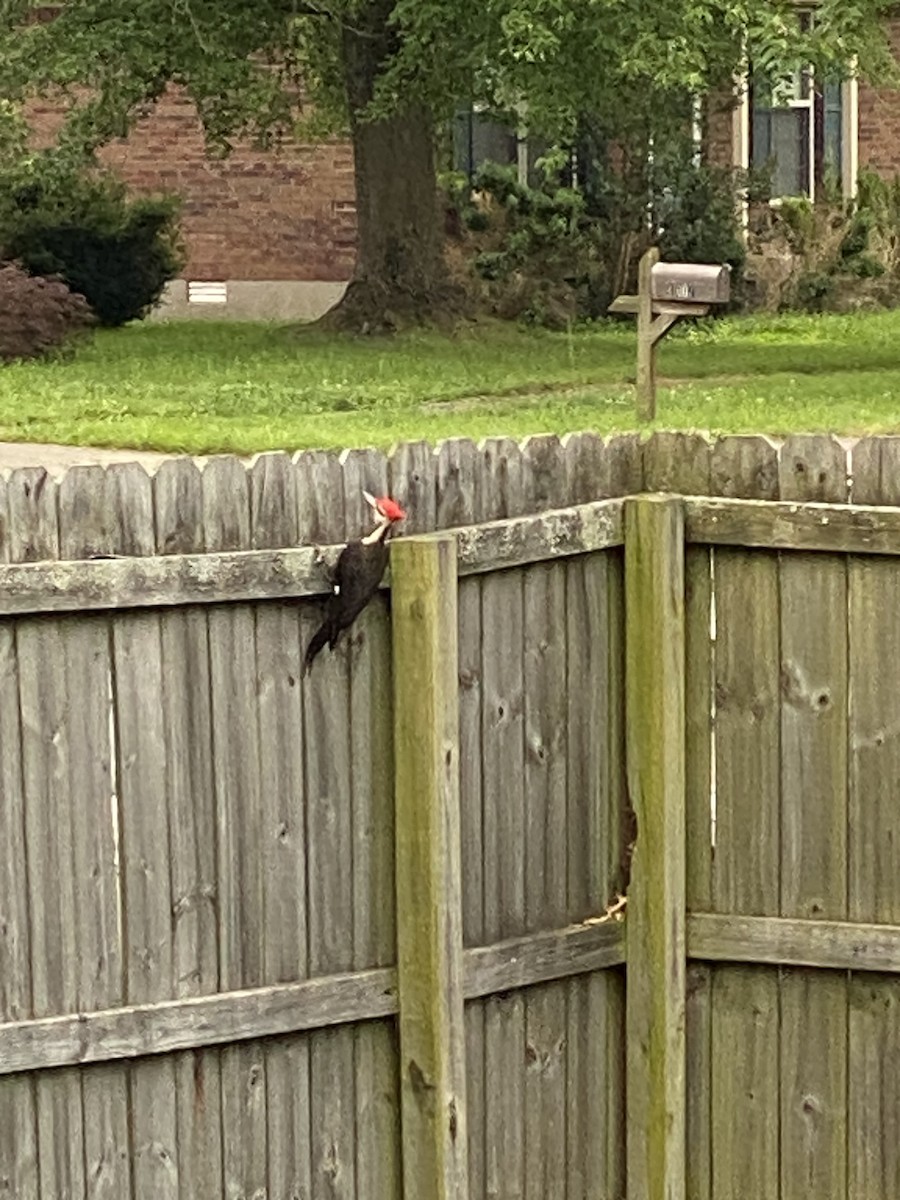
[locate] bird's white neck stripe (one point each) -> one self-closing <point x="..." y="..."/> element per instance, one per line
<point x="376" y="535"/>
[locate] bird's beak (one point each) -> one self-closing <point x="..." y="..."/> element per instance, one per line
<point x="370" y="499"/>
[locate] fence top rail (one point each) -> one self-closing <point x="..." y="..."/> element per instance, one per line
<point x="790" y="525"/>
<point x="152" y="581"/>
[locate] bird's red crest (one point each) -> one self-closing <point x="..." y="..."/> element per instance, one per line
<point x="387" y="509"/>
<point x="390" y="509"/>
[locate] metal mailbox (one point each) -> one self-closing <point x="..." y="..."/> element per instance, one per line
<point x="694" y="283"/>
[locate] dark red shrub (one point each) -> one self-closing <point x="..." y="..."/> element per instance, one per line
<point x="37" y="315"/>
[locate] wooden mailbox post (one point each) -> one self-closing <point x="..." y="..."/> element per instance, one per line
<point x="667" y="291"/>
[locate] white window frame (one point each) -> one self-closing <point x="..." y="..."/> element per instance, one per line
<point x="849" y="132"/>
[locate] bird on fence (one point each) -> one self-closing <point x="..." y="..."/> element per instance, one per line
<point x="356" y="577"/>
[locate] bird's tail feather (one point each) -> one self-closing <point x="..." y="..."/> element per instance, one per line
<point x="316" y="643"/>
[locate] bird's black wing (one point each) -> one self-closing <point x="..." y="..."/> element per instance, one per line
<point x="356" y="577"/>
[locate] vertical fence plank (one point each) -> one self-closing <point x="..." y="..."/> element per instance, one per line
<point x="596" y="830"/>
<point x="429" y="909"/>
<point x="372" y="810"/>
<point x="677" y="462"/>
<point x="326" y="723"/>
<point x="654" y="580"/>
<point x="18" y="1134"/>
<point x="502" y="741"/>
<point x="273" y="523"/>
<point x="545" y="803"/>
<point x="585" y="456"/>
<point x="813" y="832"/>
<point x="411" y="471"/>
<point x="139" y="714"/>
<point x="503" y="494"/>
<point x="873" y="1135"/>
<point x="232" y="653"/>
<point x="743" y="1095"/>
<point x="875" y="471"/>
<point x="694" y="478"/>
<point x="744" y="466"/>
<point x="33" y="534"/>
<point x="190" y="791"/>
<point x="88" y="524"/>
<point x="593" y="820"/>
<point x="623" y="465"/>
<point x="606" y="989"/>
<point x="545" y="873"/>
<point x="459" y="502"/>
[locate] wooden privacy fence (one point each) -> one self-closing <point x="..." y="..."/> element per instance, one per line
<point x="266" y="936"/>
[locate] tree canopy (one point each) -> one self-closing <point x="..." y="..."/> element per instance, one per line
<point x="384" y="68"/>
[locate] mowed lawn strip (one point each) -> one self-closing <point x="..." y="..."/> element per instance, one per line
<point x="208" y="387"/>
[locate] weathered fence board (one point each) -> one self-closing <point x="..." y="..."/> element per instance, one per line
<point x="744" y="1087"/>
<point x="189" y="781"/>
<point x="372" y="790"/>
<point x="144" y="845"/>
<point x="778" y="525"/>
<point x="795" y="942"/>
<point x="545" y="827"/>
<point x="459" y="501"/>
<point x="136" y="1031"/>
<point x="502" y="749"/>
<point x="695" y="478"/>
<point x="874" y="846"/>
<point x="813" y="832"/>
<point x="596" y="833"/>
<point x="18" y="1131"/>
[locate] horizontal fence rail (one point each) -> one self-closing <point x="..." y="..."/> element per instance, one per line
<point x="783" y="941"/>
<point x="149" y="581"/>
<point x="780" y="525"/>
<point x="222" y="1017"/>
<point x="488" y="970"/>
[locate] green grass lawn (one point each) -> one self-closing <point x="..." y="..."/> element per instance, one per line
<point x="207" y="387"/>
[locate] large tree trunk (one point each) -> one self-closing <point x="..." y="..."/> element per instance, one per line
<point x="400" y="277"/>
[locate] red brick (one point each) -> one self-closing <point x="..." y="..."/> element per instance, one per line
<point x="879" y="119"/>
<point x="268" y="216"/>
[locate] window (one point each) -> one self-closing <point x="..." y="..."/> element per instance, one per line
<point x="805" y="131"/>
<point x="479" y="137"/>
<point x="798" y="131"/>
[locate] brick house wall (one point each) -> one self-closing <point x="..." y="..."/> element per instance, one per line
<point x="879" y="119"/>
<point x="257" y="216"/>
<point x="718" y="130"/>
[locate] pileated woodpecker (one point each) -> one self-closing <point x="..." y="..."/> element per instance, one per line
<point x="356" y="577"/>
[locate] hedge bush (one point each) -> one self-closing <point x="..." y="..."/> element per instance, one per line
<point x="60" y="219"/>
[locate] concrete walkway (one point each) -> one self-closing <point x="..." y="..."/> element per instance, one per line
<point x="58" y="459"/>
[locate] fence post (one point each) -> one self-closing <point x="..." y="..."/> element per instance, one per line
<point x="655" y="710"/>
<point x="429" y="906"/>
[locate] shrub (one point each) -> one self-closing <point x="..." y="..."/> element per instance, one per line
<point x="37" y="316"/>
<point x="64" y="220"/>
<point x="836" y="254"/>
<point x="532" y="253"/>
<point x="553" y="253"/>
<point x="698" y="219"/>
